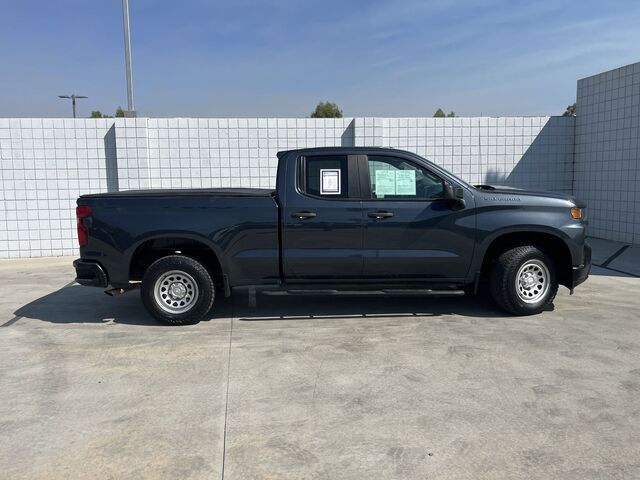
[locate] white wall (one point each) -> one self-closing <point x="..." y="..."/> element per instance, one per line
<point x="44" y="165"/>
<point x="47" y="163"/>
<point x="607" y="171"/>
<point x="527" y="152"/>
<point x="188" y="152"/>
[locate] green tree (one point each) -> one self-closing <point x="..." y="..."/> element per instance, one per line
<point x="570" y="111"/>
<point x="327" y="110"/>
<point x="99" y="114"/>
<point x="119" y="112"/>
<point x="440" y="114"/>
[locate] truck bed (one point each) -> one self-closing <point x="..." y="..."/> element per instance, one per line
<point x="239" y="226"/>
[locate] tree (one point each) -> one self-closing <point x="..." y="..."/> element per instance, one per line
<point x="119" y="112"/>
<point x="327" y="110"/>
<point x="570" y="111"/>
<point x="440" y="114"/>
<point x="99" y="114"/>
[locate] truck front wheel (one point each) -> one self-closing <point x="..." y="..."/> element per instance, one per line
<point x="177" y="290"/>
<point x="523" y="281"/>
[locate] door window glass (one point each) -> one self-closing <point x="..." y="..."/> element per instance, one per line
<point x="326" y="176"/>
<point x="397" y="178"/>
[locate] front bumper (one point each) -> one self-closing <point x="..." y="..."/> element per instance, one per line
<point x="90" y="274"/>
<point x="581" y="272"/>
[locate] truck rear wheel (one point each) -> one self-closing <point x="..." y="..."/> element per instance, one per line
<point x="523" y="281"/>
<point x="177" y="290"/>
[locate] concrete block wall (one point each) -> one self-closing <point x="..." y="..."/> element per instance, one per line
<point x="607" y="159"/>
<point x="525" y="152"/>
<point x="231" y="152"/>
<point x="44" y="165"/>
<point x="47" y="163"/>
<point x="528" y="152"/>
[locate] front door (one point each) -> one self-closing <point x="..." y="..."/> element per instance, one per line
<point x="411" y="231"/>
<point x="322" y="220"/>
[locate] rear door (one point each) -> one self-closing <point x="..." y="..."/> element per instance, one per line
<point x="411" y="231"/>
<point x="322" y="219"/>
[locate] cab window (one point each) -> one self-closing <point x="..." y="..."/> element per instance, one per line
<point x="325" y="176"/>
<point x="395" y="178"/>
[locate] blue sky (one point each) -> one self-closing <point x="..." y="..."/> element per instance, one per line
<point x="280" y="57"/>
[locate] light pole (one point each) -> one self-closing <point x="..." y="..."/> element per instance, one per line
<point x="131" y="109"/>
<point x="73" y="98"/>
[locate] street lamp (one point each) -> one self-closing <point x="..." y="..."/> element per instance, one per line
<point x="131" y="109"/>
<point x="73" y="98"/>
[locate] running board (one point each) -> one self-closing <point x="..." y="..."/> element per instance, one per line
<point x="390" y="292"/>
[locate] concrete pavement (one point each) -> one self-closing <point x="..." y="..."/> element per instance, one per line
<point x="408" y="388"/>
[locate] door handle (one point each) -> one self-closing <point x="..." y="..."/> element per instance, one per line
<point x="303" y="215"/>
<point x="380" y="214"/>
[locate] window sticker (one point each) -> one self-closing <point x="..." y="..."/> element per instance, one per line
<point x="330" y="181"/>
<point x="385" y="183"/>
<point x="406" y="182"/>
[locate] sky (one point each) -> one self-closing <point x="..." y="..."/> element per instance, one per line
<point x="279" y="58"/>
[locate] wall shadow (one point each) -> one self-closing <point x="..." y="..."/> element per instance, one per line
<point x="111" y="159"/>
<point x="348" y="137"/>
<point x="547" y="164"/>
<point x="600" y="271"/>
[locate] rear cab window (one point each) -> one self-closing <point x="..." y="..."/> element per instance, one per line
<point x="325" y="176"/>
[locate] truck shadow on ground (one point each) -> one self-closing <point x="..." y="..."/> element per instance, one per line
<point x="76" y="304"/>
<point x="271" y="308"/>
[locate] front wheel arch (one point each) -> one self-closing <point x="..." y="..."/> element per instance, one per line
<point x="551" y="245"/>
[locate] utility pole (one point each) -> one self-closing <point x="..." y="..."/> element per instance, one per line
<point x="73" y="98"/>
<point x="131" y="109"/>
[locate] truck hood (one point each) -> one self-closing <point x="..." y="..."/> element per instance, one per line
<point x="530" y="193"/>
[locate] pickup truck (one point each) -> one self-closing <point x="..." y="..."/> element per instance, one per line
<point x="341" y="221"/>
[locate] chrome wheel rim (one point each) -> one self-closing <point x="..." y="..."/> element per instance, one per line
<point x="532" y="281"/>
<point x="176" y="292"/>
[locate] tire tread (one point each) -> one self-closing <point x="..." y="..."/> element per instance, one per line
<point x="502" y="276"/>
<point x="205" y="285"/>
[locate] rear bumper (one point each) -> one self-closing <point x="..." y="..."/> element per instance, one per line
<point x="581" y="272"/>
<point x="90" y="274"/>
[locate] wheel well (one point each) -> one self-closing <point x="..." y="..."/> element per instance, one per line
<point x="549" y="244"/>
<point x="151" y="250"/>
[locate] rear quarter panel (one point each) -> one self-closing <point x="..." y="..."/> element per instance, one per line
<point x="242" y="231"/>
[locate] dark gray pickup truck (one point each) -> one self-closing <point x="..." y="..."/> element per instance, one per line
<point x="341" y="221"/>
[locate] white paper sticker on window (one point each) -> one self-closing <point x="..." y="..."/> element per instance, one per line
<point x="385" y="183"/>
<point x="330" y="181"/>
<point x="406" y="182"/>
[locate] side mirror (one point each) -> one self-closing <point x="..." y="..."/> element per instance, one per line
<point x="455" y="195"/>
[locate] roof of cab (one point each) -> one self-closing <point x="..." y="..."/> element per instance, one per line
<point x="343" y="150"/>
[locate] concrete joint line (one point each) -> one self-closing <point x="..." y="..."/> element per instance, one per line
<point x="226" y="403"/>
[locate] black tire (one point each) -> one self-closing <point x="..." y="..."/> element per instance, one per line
<point x="504" y="274"/>
<point x="193" y="280"/>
